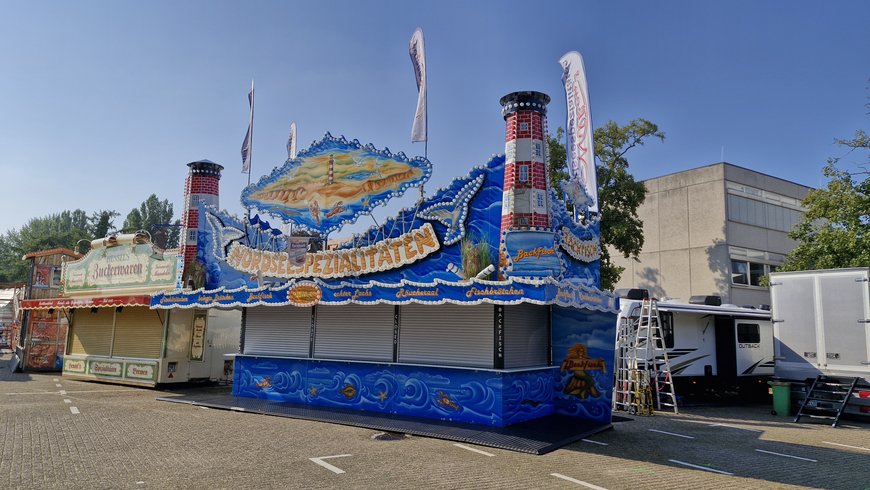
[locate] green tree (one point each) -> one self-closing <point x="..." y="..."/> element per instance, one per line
<point x="60" y="230"/>
<point x="619" y="195"/>
<point x="102" y="223"/>
<point x="835" y="230"/>
<point x="155" y="217"/>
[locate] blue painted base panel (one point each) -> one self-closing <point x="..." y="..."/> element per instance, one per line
<point x="493" y="398"/>
<point x="537" y="436"/>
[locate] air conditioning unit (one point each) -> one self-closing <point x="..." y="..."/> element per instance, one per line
<point x="709" y="300"/>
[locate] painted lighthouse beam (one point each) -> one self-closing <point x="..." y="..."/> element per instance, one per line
<point x="334" y="182"/>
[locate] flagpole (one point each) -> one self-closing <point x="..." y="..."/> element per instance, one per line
<point x="251" y="125"/>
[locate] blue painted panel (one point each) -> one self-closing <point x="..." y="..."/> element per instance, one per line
<point x="460" y="395"/>
<point x="583" y="346"/>
<point x="532" y="253"/>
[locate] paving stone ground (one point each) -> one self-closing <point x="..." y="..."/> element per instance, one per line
<point x="122" y="437"/>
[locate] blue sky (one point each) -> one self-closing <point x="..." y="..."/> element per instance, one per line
<point x="103" y="103"/>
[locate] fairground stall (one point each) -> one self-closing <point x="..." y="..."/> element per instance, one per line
<point x="113" y="334"/>
<point x="9" y="321"/>
<point x="42" y="333"/>
<point x="477" y="304"/>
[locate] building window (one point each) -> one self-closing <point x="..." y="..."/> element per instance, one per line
<point x="538" y="150"/>
<point x="739" y="272"/>
<point x="766" y="215"/>
<point x="524" y="126"/>
<point x="540" y="197"/>
<point x="748" y="333"/>
<point x="748" y="273"/>
<point x="524" y="173"/>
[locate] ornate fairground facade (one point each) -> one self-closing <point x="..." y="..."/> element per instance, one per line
<point x="479" y="303"/>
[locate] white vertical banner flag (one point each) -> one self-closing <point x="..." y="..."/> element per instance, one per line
<point x="291" y="141"/>
<point x="249" y="136"/>
<point x="418" y="59"/>
<point x="581" y="156"/>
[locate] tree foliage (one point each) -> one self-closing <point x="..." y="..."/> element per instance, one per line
<point x="619" y="195"/>
<point x="835" y="230"/>
<point x="60" y="230"/>
<point x="155" y="217"/>
<point x="67" y="228"/>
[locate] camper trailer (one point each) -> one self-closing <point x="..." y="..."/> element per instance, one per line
<point x="712" y="348"/>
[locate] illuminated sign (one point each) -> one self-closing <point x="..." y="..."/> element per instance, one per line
<point x="384" y="255"/>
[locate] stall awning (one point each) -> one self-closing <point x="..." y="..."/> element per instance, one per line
<point x="101" y="302"/>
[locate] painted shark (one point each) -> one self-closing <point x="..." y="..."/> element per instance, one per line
<point x="223" y="235"/>
<point x="452" y="213"/>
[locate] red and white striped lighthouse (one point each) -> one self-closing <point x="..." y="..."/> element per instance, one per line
<point x="202" y="184"/>
<point x="525" y="198"/>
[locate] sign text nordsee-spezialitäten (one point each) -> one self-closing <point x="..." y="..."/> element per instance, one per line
<point x="383" y="255"/>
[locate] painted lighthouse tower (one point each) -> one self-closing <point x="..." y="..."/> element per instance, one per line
<point x="202" y="184"/>
<point x="528" y="242"/>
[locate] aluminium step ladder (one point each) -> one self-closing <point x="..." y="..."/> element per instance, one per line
<point x="827" y="398"/>
<point x="643" y="371"/>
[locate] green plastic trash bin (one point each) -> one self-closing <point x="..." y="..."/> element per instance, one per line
<point x="781" y="397"/>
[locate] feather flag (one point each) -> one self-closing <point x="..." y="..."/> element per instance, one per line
<point x="249" y="136"/>
<point x="418" y="59"/>
<point x="581" y="156"/>
<point x="291" y="142"/>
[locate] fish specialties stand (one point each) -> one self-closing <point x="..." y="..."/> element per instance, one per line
<point x="478" y="304"/>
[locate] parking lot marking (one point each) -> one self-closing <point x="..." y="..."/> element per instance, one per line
<point x="579" y="482"/>
<point x="786" y="455"/>
<point x="595" y="442"/>
<point x="463" y="446"/>
<point x="74" y="410"/>
<point x="67" y="400"/>
<point x="58" y="385"/>
<point x="72" y="391"/>
<point x="690" y="465"/>
<point x="670" y="433"/>
<point x="62" y="392"/>
<point x="328" y="466"/>
<point x="735" y="427"/>
<point x="844" y="445"/>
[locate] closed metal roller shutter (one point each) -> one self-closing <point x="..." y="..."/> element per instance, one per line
<point x="525" y="336"/>
<point x="447" y="335"/>
<point x="360" y="332"/>
<point x="92" y="332"/>
<point x="277" y="331"/>
<point x="138" y="333"/>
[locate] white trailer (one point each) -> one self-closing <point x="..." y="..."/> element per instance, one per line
<point x="821" y="323"/>
<point x="719" y="348"/>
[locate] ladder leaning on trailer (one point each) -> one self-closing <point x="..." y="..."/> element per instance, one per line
<point x="643" y="371"/>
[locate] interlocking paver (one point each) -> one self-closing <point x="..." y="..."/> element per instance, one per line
<point x="125" y="438"/>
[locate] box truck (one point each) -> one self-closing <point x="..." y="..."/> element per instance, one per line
<point x="821" y="326"/>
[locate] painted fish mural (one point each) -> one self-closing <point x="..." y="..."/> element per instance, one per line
<point x="334" y="182"/>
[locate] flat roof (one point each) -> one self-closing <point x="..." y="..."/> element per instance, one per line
<point x="730" y="165"/>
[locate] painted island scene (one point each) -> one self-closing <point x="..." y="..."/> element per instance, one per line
<point x="334" y="182"/>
